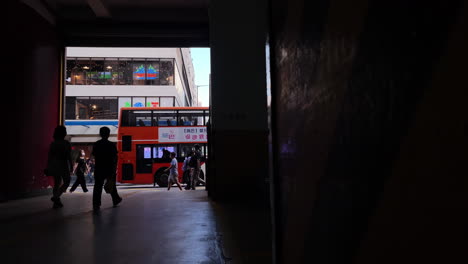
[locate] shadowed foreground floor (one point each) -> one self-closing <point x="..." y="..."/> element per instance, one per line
<point x="149" y="226"/>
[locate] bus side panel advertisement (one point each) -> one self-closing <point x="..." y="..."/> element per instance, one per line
<point x="182" y="134"/>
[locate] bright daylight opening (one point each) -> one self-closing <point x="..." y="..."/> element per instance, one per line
<point x="155" y="101"/>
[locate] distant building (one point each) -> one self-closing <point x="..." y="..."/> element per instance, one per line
<point x="99" y="81"/>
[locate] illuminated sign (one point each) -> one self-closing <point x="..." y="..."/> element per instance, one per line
<point x="139" y="74"/>
<point x="152" y="104"/>
<point x="141" y="104"/>
<point x="152" y="73"/>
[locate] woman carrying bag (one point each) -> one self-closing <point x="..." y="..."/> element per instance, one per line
<point x="59" y="164"/>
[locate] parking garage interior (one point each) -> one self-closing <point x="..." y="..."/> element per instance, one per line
<point x="361" y="157"/>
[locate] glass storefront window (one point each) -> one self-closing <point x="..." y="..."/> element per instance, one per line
<point x="152" y="72"/>
<point x="96" y="74"/>
<point x="96" y="108"/>
<point x="139" y="72"/>
<point x="111" y="71"/>
<point x="71" y="64"/>
<point x="125" y="72"/>
<point x="167" y="72"/>
<point x="167" y="102"/>
<point x="79" y="71"/>
<point x="107" y="107"/>
<point x="70" y="106"/>
<point x="125" y="102"/>
<point x="119" y="71"/>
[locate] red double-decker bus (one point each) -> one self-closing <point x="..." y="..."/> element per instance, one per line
<point x="146" y="136"/>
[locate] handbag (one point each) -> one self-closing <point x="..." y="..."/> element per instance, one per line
<point x="109" y="186"/>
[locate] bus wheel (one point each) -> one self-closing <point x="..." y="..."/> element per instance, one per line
<point x="161" y="177"/>
<point x="201" y="176"/>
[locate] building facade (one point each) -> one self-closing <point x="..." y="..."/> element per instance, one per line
<point x="99" y="81"/>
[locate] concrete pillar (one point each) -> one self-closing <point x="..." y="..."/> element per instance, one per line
<point x="370" y="131"/>
<point x="238" y="100"/>
<point x="33" y="101"/>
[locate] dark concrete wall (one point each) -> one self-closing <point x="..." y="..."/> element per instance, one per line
<point x="33" y="65"/>
<point x="370" y="131"/>
<point x="238" y="157"/>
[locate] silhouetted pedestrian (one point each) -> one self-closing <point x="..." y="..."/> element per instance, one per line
<point x="173" y="174"/>
<point x="166" y="154"/>
<point x="195" y="167"/>
<point x="80" y="169"/>
<point x="90" y="163"/>
<point x="186" y="170"/>
<point x="105" y="158"/>
<point x="59" y="164"/>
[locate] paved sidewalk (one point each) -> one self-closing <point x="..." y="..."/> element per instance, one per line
<point x="151" y="225"/>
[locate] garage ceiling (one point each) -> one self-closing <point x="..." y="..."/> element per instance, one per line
<point x="134" y="23"/>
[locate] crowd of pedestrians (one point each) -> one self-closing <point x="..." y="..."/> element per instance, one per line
<point x="61" y="165"/>
<point x="191" y="168"/>
<point x="101" y="168"/>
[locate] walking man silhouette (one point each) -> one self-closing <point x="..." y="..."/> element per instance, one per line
<point x="105" y="158"/>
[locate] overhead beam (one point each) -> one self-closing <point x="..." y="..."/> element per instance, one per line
<point x="135" y="34"/>
<point x="42" y="9"/>
<point x="99" y="9"/>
